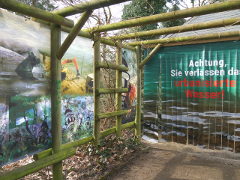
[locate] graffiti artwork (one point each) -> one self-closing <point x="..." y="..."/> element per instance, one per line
<point x="25" y="108"/>
<point x="77" y="113"/>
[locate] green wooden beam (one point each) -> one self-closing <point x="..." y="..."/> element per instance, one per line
<point x="75" y="144"/>
<point x="111" y="90"/>
<point x="112" y="114"/>
<point x="138" y="106"/>
<point x="149" y="56"/>
<point x="37" y="165"/>
<point x="97" y="59"/>
<point x="212" y="8"/>
<point x="210" y="36"/>
<point x="87" y="35"/>
<point x="64" y="147"/>
<point x="179" y="29"/>
<point x="56" y="115"/>
<point x="107" y="132"/>
<point x="31" y="11"/>
<point x="128" y="125"/>
<point x="118" y="84"/>
<point x="112" y="66"/>
<point x="72" y="35"/>
<point x="84" y="6"/>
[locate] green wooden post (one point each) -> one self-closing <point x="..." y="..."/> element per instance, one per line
<point x="56" y="98"/>
<point x="97" y="59"/>
<point x="118" y="96"/>
<point x="138" y="107"/>
<point x="142" y="91"/>
<point x="197" y="11"/>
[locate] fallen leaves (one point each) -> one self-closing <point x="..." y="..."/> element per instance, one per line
<point x="90" y="162"/>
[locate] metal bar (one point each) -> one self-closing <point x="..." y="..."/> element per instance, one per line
<point x="112" y="114"/>
<point x="164" y="41"/>
<point x="212" y="8"/>
<point x="97" y="59"/>
<point x="138" y="106"/>
<point x="179" y="29"/>
<point x="56" y="98"/>
<point x="149" y="56"/>
<point x="111" y="90"/>
<point x="72" y="35"/>
<point x="89" y="5"/>
<point x="118" y="96"/>
<point x="112" y="66"/>
<point x="22" y="8"/>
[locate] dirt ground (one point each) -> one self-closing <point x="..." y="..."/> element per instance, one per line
<point x="172" y="161"/>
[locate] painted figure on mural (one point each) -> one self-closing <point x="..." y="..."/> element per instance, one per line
<point x="129" y="82"/>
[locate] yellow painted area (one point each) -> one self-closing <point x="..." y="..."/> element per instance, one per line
<point x="72" y="84"/>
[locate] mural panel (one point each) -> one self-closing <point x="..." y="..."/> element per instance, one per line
<point x="193" y="95"/>
<point x="25" y="108"/>
<point x="129" y="81"/>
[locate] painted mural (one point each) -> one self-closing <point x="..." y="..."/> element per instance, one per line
<point x="25" y="107"/>
<point x="77" y="114"/>
<point x="129" y="81"/>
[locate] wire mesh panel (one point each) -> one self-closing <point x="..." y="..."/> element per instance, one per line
<point x="199" y="94"/>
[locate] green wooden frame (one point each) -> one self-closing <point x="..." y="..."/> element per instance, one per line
<point x="59" y="151"/>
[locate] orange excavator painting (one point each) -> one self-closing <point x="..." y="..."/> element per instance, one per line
<point x="72" y="81"/>
<point x="67" y="61"/>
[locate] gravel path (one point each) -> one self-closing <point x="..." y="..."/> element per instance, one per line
<point x="172" y="161"/>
